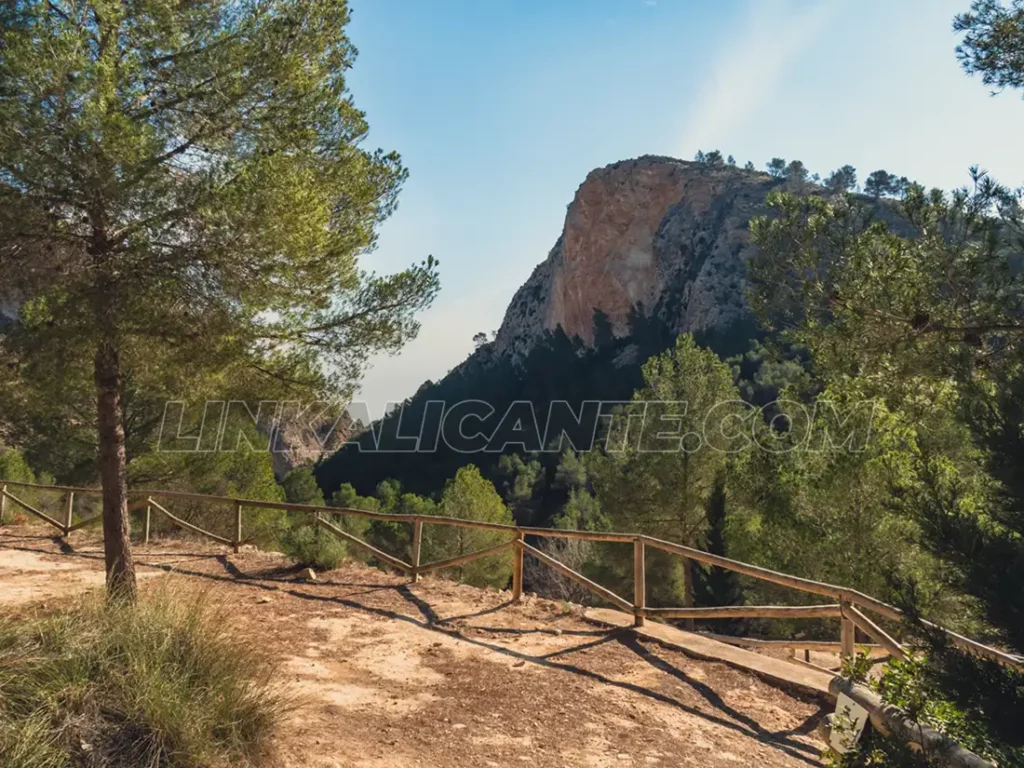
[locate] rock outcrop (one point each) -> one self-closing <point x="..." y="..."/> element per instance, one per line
<point x="655" y="236"/>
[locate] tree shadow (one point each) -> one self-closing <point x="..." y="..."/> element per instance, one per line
<point x="428" y="620"/>
<point x="632" y="642"/>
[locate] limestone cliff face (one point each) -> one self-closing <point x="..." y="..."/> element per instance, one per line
<point x="660" y="236"/>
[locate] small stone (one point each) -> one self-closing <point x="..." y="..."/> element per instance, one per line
<point x="309" y="574"/>
<point x="458" y="726"/>
<point x="265" y="599"/>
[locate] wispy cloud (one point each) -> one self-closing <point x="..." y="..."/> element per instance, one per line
<point x="750" y="68"/>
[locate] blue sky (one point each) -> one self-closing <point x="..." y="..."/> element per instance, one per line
<point x="500" y="108"/>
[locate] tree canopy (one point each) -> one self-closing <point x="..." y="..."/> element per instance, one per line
<point x="183" y="189"/>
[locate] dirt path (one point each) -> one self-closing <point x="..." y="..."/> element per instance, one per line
<point x="440" y="674"/>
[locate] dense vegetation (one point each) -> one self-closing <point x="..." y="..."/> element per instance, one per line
<point x="162" y="686"/>
<point x="868" y="430"/>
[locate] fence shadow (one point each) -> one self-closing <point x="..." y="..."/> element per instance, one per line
<point x="425" y="617"/>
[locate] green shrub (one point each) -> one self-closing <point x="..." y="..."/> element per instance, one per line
<point x="906" y="685"/>
<point x="313" y="548"/>
<point x="163" y="685"/>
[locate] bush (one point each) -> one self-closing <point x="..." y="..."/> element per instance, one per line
<point x="313" y="548"/>
<point x="906" y="684"/>
<point x="161" y="685"/>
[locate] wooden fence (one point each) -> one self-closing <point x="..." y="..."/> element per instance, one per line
<point x="850" y="606"/>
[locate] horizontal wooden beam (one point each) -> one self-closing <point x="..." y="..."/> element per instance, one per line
<point x="194" y="528"/>
<point x="747" y="612"/>
<point x="32" y="510"/>
<point x="440" y="565"/>
<point x="60" y="488"/>
<point x="755" y="571"/>
<point x="579" y="578"/>
<point x="821" y="646"/>
<point x="394" y="562"/>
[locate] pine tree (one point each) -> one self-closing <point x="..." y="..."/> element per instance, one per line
<point x="182" y="185"/>
<point x="777" y="167"/>
<point x="717" y="586"/>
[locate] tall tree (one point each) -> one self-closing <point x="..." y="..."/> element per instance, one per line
<point x="936" y="312"/>
<point x="796" y="171"/>
<point x="714" y="158"/>
<point x="842" y="179"/>
<point x="470" y="496"/>
<point x="716" y="586"/>
<point x="665" y="452"/>
<point x="189" y="177"/>
<point x="776" y="167"/>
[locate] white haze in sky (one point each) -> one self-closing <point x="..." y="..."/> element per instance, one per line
<point x="748" y="72"/>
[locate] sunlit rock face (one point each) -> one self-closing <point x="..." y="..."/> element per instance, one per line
<point x="655" y="236"/>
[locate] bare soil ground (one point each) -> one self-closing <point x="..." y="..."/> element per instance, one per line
<point x="440" y="674"/>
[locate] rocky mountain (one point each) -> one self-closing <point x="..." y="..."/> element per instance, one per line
<point x="655" y="235"/>
<point x="651" y="248"/>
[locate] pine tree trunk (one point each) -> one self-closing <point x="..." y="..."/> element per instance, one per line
<point x="113" y="476"/>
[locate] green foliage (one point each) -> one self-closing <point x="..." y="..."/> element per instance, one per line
<point x="300" y="487"/>
<point x="165" y="685"/>
<point x="993" y="44"/>
<point x="796" y="172"/>
<point x="240" y="474"/>
<point x="13" y="467"/>
<point x="184" y="194"/>
<point x="714" y="159"/>
<point x="660" y="486"/>
<point x="815" y="499"/>
<point x="716" y="586"/>
<point x="842" y="180"/>
<point x="857" y="667"/>
<point x="928" y="321"/>
<point x="883" y="183"/>
<point x="519" y="485"/>
<point x="271" y="153"/>
<point x="312" y="547"/>
<point x="776" y="167"/>
<point x="909" y="685"/>
<point x="469" y="496"/>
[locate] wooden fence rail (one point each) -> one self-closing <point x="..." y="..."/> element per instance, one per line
<point x="849" y="606"/>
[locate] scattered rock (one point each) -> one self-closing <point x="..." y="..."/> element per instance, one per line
<point x="309" y="574"/>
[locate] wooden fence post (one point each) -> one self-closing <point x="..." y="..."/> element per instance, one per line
<point x="68" y="512"/>
<point x="639" y="583"/>
<point x="417" y="545"/>
<point x="3" y="503"/>
<point x="238" y="526"/>
<point x="846" y="633"/>
<point x="149" y="515"/>
<point x="517" y="568"/>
